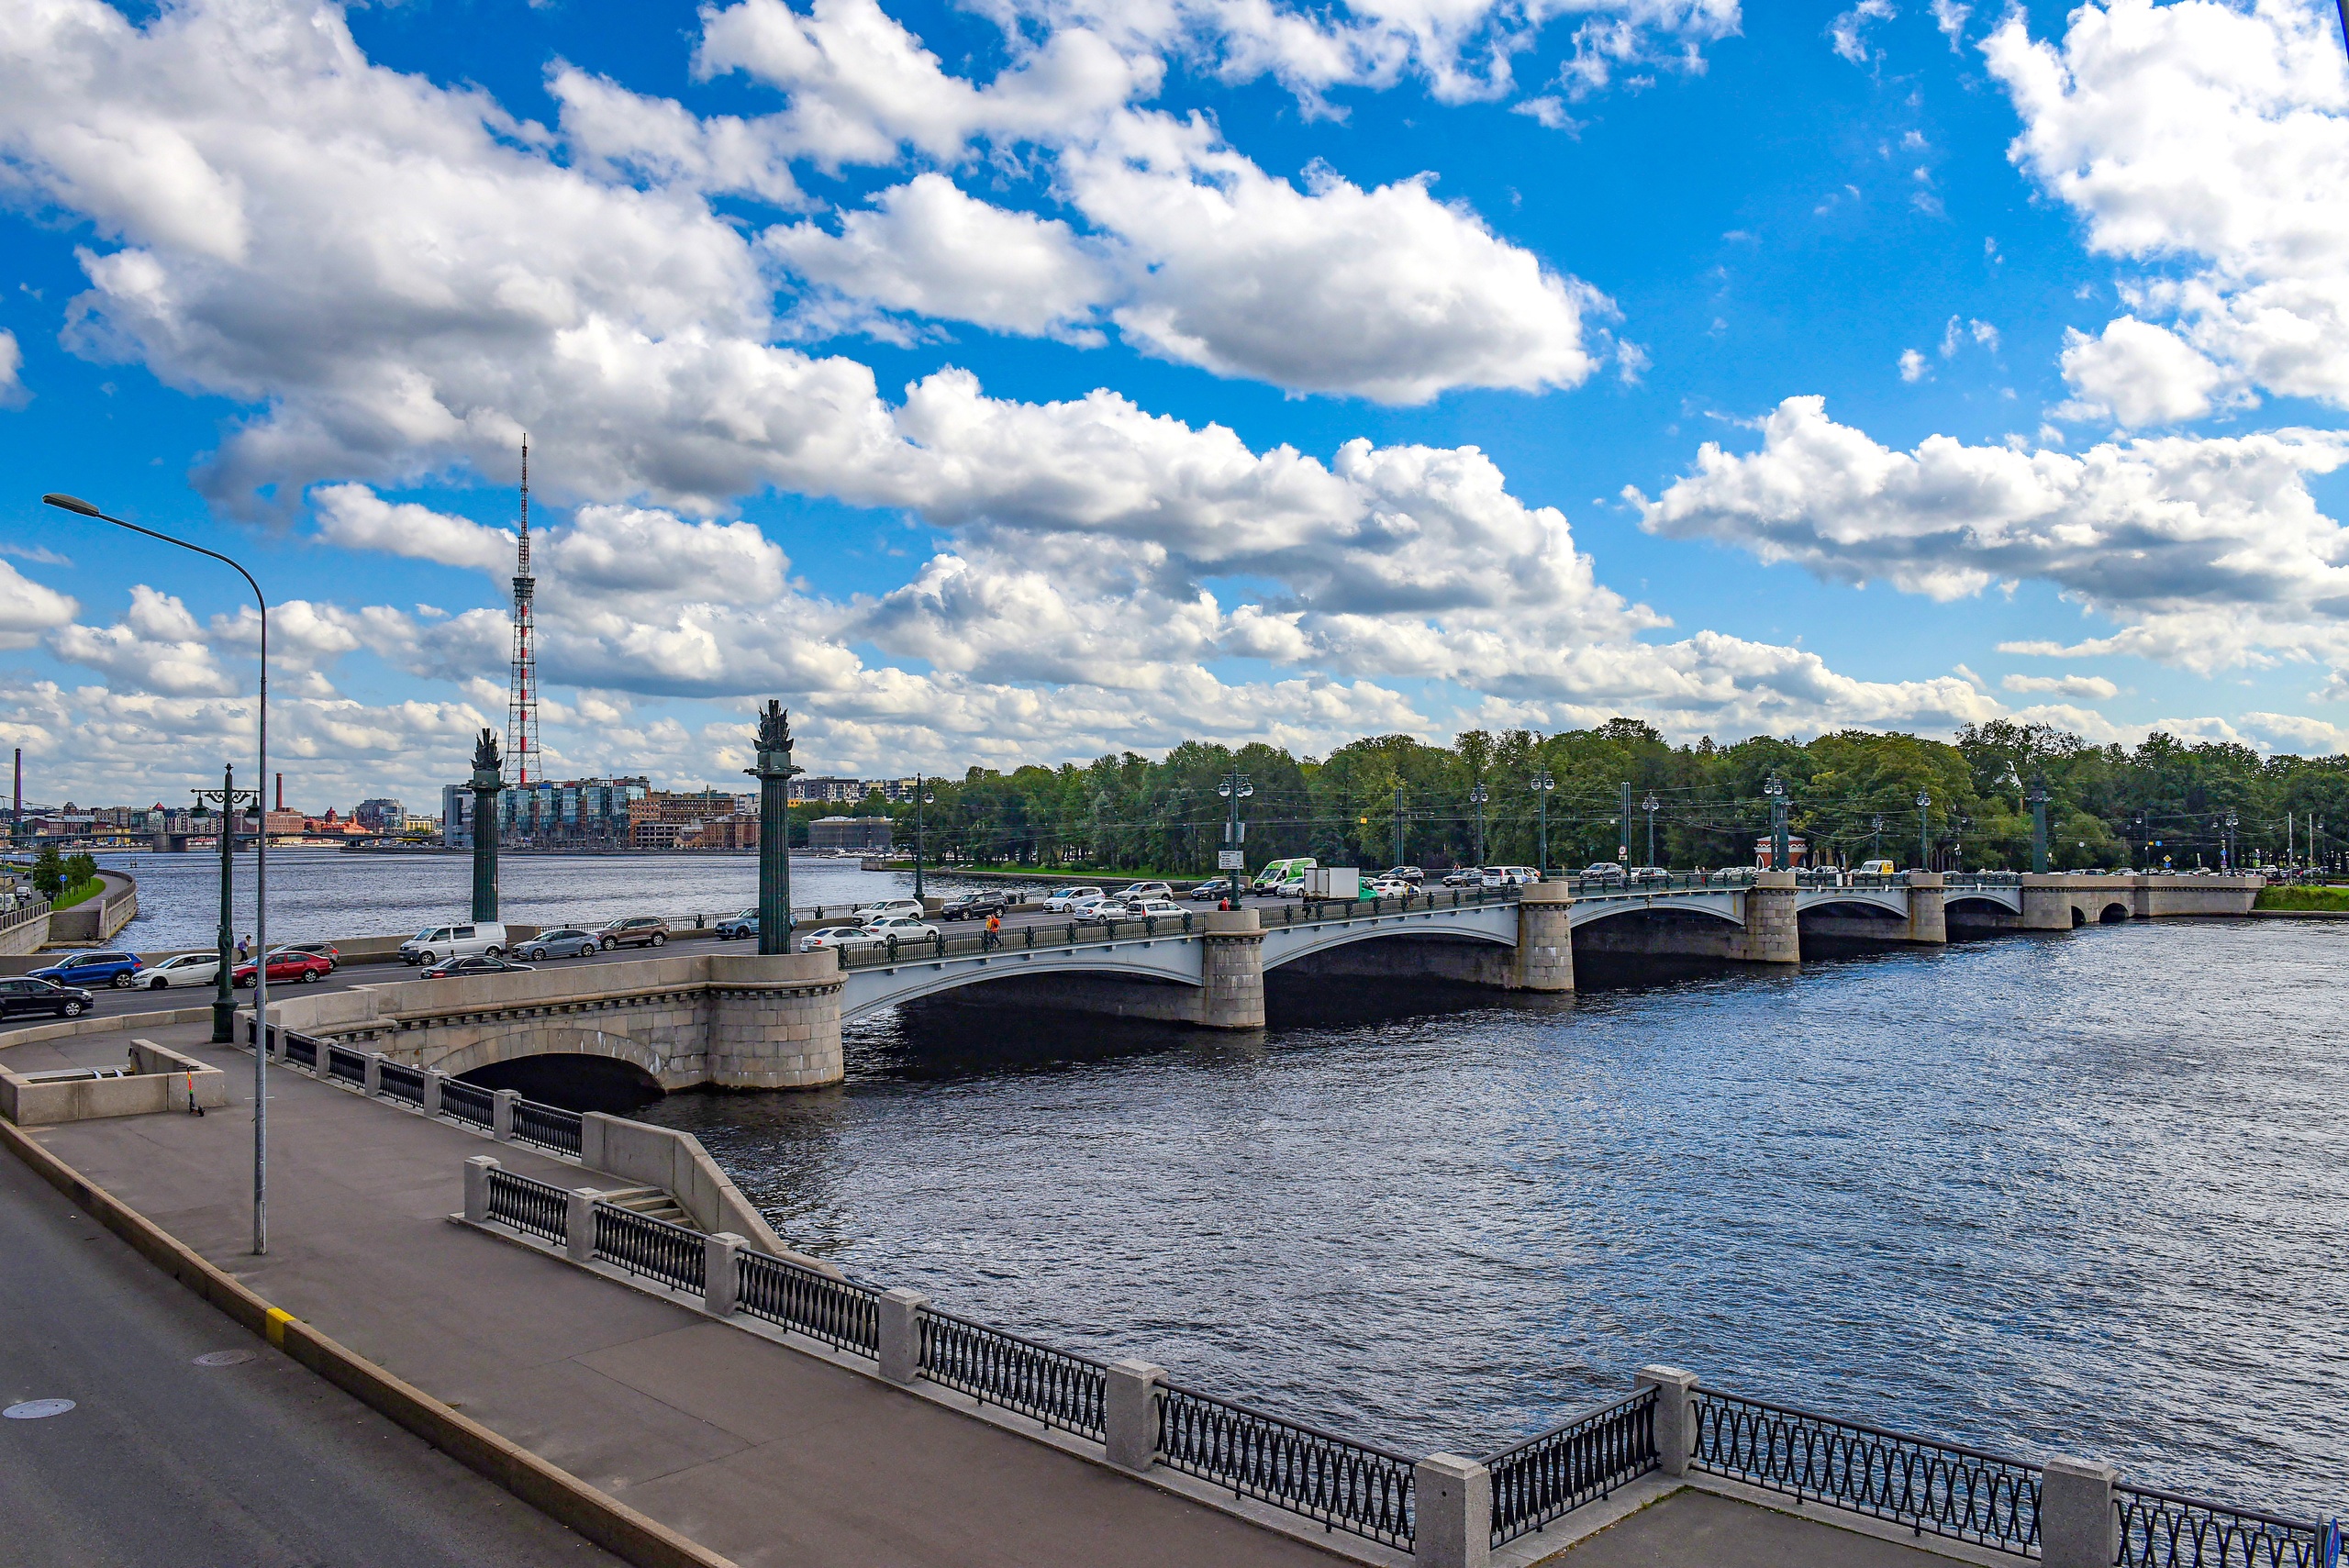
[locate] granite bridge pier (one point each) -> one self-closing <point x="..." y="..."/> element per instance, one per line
<point x="774" y="1021"/>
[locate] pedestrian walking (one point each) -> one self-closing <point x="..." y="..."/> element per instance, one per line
<point x="244" y="947"/>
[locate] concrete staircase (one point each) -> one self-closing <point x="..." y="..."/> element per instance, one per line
<point x="650" y="1202"/>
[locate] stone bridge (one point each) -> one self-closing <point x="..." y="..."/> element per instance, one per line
<point x="745" y="1021"/>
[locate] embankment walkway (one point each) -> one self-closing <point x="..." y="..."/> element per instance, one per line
<point x="751" y="1449"/>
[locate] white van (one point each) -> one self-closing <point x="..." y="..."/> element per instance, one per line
<point x="1279" y="871"/>
<point x="1878" y="868"/>
<point x="438" y="944"/>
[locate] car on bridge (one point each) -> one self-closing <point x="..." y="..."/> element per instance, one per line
<point x="1214" y="887"/>
<point x="1606" y="874"/>
<point x="735" y="928"/>
<point x="1152" y="909"/>
<point x="472" y="963"/>
<point x="1061" y="899"/>
<point x="107" y="966"/>
<point x="974" y="906"/>
<point x="182" y="968"/>
<point x="438" y="944"/>
<point x="633" y="931"/>
<point x="327" y="951"/>
<point x="1133" y="892"/>
<point x="26" y="997"/>
<point x="890" y="931"/>
<point x="563" y="942"/>
<point x="886" y="907"/>
<point x="1411" y="875"/>
<point x="1649" y="875"/>
<point x="302" y="968"/>
<point x="1465" y="876"/>
<point x="1387" y="887"/>
<point x="824" y="936"/>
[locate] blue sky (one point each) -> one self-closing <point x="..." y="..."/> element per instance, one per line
<point x="1045" y="377"/>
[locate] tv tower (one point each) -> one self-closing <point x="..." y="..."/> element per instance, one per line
<point x="522" y="698"/>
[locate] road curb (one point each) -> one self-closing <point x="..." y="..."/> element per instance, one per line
<point x="553" y="1491"/>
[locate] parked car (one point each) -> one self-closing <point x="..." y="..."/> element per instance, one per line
<point x="972" y="906"/>
<point x="182" y="968"/>
<point x="736" y="927"/>
<point x="827" y="937"/>
<point x="563" y="942"/>
<point x="106" y="966"/>
<point x="301" y="968"/>
<point x="438" y="944"/>
<point x="1386" y="887"/>
<point x="633" y="931"/>
<point x="1214" y="887"/>
<point x="25" y="996"/>
<point x="876" y="933"/>
<point x="888" y="907"/>
<point x="1061" y="899"/>
<point x="1411" y="875"/>
<point x="472" y="963"/>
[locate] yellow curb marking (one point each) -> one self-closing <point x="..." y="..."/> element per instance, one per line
<point x="274" y="1326"/>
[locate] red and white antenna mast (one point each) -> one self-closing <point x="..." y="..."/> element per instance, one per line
<point x="522" y="698"/>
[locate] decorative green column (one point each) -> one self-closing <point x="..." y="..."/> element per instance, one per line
<point x="486" y="782"/>
<point x="773" y="774"/>
<point x="2038" y="798"/>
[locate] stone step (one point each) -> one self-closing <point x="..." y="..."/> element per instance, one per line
<point x="650" y="1202"/>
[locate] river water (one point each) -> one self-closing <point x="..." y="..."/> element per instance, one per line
<point x="2081" y="1193"/>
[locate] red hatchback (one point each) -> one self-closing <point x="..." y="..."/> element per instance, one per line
<point x="300" y="967"/>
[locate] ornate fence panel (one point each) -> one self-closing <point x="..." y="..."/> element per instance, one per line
<point x="643" y="1245"/>
<point x="402" y="1083"/>
<point x="550" y="1126"/>
<point x="840" y="1313"/>
<point x="345" y="1065"/>
<point x="1347" y="1486"/>
<point x="1551" y="1475"/>
<point x="1056" y="1387"/>
<point x="300" y="1049"/>
<point x="471" y="1103"/>
<point x="2161" y="1529"/>
<point x="1962" y="1493"/>
<point x="528" y="1204"/>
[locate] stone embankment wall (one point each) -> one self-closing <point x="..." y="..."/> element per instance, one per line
<point x="97" y="919"/>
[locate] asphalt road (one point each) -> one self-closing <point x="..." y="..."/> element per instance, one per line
<point x="165" y="1462"/>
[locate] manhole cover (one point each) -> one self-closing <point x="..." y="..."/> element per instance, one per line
<point x="34" y="1409"/>
<point x="224" y="1358"/>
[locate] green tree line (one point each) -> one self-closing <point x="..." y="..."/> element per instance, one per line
<point x="1852" y="795"/>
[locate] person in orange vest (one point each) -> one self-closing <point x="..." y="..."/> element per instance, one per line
<point x="994" y="929"/>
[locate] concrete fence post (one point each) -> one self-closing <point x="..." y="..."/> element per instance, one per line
<point x="1129" y="1413"/>
<point x="434" y="1079"/>
<point x="1675" y="1416"/>
<point x="372" y="1080"/>
<point x="477" y="1170"/>
<point x="720" y="1277"/>
<point x="1452" y="1508"/>
<point x="2078" y="1527"/>
<point x="592" y="1127"/>
<point x="579" y="1226"/>
<point x="901" y="1334"/>
<point x="501" y="1115"/>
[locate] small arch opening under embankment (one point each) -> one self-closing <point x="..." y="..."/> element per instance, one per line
<point x="2114" y="914"/>
<point x="576" y="1082"/>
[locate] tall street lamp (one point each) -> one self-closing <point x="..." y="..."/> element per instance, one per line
<point x="1542" y="783"/>
<point x="922" y="798"/>
<point x="223" y="1001"/>
<point x="1924" y="831"/>
<point x="1476" y="797"/>
<point x="1650" y="806"/>
<point x="1875" y="838"/>
<point x="1775" y="788"/>
<point x="2038" y="799"/>
<point x="1233" y="862"/>
<point x="260" y="871"/>
<point x="1399" y="824"/>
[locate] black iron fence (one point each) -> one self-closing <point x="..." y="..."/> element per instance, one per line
<point x="2160" y="1529"/>
<point x="535" y="1208"/>
<point x="840" y="1313"/>
<point x="345" y="1065"/>
<point x="1345" y="1485"/>
<point x="550" y="1126"/>
<point x="405" y="1084"/>
<point x="1942" y="1488"/>
<point x="643" y="1245"/>
<point x="1056" y="1387"/>
<point x="468" y="1103"/>
<point x="1550" y="1476"/>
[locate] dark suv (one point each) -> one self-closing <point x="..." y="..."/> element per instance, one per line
<point x="19" y="997"/>
<point x="106" y="967"/>
<point x="634" y="931"/>
<point x="972" y="906"/>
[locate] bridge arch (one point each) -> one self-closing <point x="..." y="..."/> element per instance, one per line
<point x="2113" y="914"/>
<point x="1325" y="938"/>
<point x="561" y="1040"/>
<point x="1105" y="965"/>
<point x="1592" y="912"/>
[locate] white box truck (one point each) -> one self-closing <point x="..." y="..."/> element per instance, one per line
<point x="1333" y="882"/>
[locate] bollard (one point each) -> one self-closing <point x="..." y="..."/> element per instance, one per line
<point x="901" y="1334"/>
<point x="2078" y="1525"/>
<point x="579" y="1226"/>
<point x="434" y="1079"/>
<point x="477" y="1170"/>
<point x="371" y="1079"/>
<point x="720" y="1275"/>
<point x="1129" y="1413"/>
<point x="501" y="1115"/>
<point x="1675" y="1416"/>
<point x="1453" y="1505"/>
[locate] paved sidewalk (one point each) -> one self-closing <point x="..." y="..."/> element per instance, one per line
<point x="755" y="1449"/>
<point x="1691" y="1527"/>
